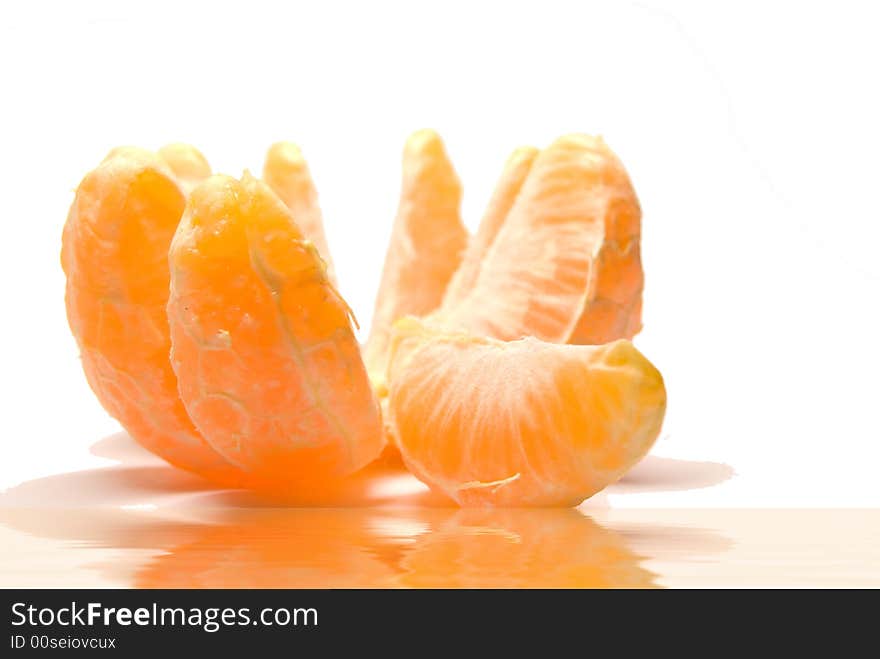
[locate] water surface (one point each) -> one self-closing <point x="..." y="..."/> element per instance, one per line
<point x="143" y="524"/>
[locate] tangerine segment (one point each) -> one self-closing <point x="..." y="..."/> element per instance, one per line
<point x="427" y="242"/>
<point x="267" y="362"/>
<point x="545" y="268"/>
<point x="524" y="423"/>
<point x="188" y="164"/>
<point x="287" y="173"/>
<point x="115" y="255"/>
<point x="614" y="307"/>
<point x="516" y="169"/>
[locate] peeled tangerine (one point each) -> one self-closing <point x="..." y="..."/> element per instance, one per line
<point x="426" y="246"/>
<point x="557" y="253"/>
<point x="522" y="423"/>
<point x="115" y="255"/>
<point x="262" y="344"/>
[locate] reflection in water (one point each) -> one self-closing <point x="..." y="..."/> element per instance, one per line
<point x="350" y="548"/>
<point x="279" y="548"/>
<point x="521" y="549"/>
<point x="143" y="524"/>
<point x="751" y="548"/>
<point x="419" y="548"/>
<point x="344" y="548"/>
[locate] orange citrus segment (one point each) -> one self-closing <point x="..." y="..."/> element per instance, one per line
<point x="287" y="173"/>
<point x="267" y="362"/>
<point x="426" y="244"/>
<point x="516" y="169"/>
<point x="614" y="308"/>
<point x="188" y="164"/>
<point x="523" y="423"/>
<point x="550" y="261"/>
<point x="115" y="255"/>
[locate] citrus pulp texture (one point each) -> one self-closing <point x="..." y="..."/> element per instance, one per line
<point x="519" y="423"/>
<point x="426" y="246"/>
<point x="262" y="344"/>
<point x="115" y="256"/>
<point x="563" y="263"/>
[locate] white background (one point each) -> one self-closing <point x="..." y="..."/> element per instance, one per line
<point x="751" y="133"/>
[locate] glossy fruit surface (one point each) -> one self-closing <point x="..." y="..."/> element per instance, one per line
<point x="115" y="255"/>
<point x="427" y="243"/>
<point x="263" y="347"/>
<point x="563" y="264"/>
<point x="520" y="423"/>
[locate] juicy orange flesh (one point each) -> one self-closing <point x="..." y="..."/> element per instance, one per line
<point x="572" y="227"/>
<point x="519" y="423"/>
<point x="287" y="173"/>
<point x="614" y="307"/>
<point x="426" y="245"/>
<point x="267" y="362"/>
<point x="114" y="253"/>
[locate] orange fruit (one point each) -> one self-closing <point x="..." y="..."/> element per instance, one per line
<point x="287" y="173"/>
<point x="267" y="363"/>
<point x="521" y="423"/>
<point x="186" y="162"/>
<point x="115" y="256"/>
<point x="426" y="245"/>
<point x="614" y="307"/>
<point x="516" y="169"/>
<point x="564" y="263"/>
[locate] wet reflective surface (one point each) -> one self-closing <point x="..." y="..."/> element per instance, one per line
<point x="145" y="525"/>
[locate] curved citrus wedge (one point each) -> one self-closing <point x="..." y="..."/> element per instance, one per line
<point x="267" y="362"/>
<point x="115" y="255"/>
<point x="188" y="164"/>
<point x="614" y="306"/>
<point x="287" y="173"/>
<point x="564" y="263"/>
<point x="516" y="169"/>
<point x="426" y="246"/>
<point x="524" y="423"/>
